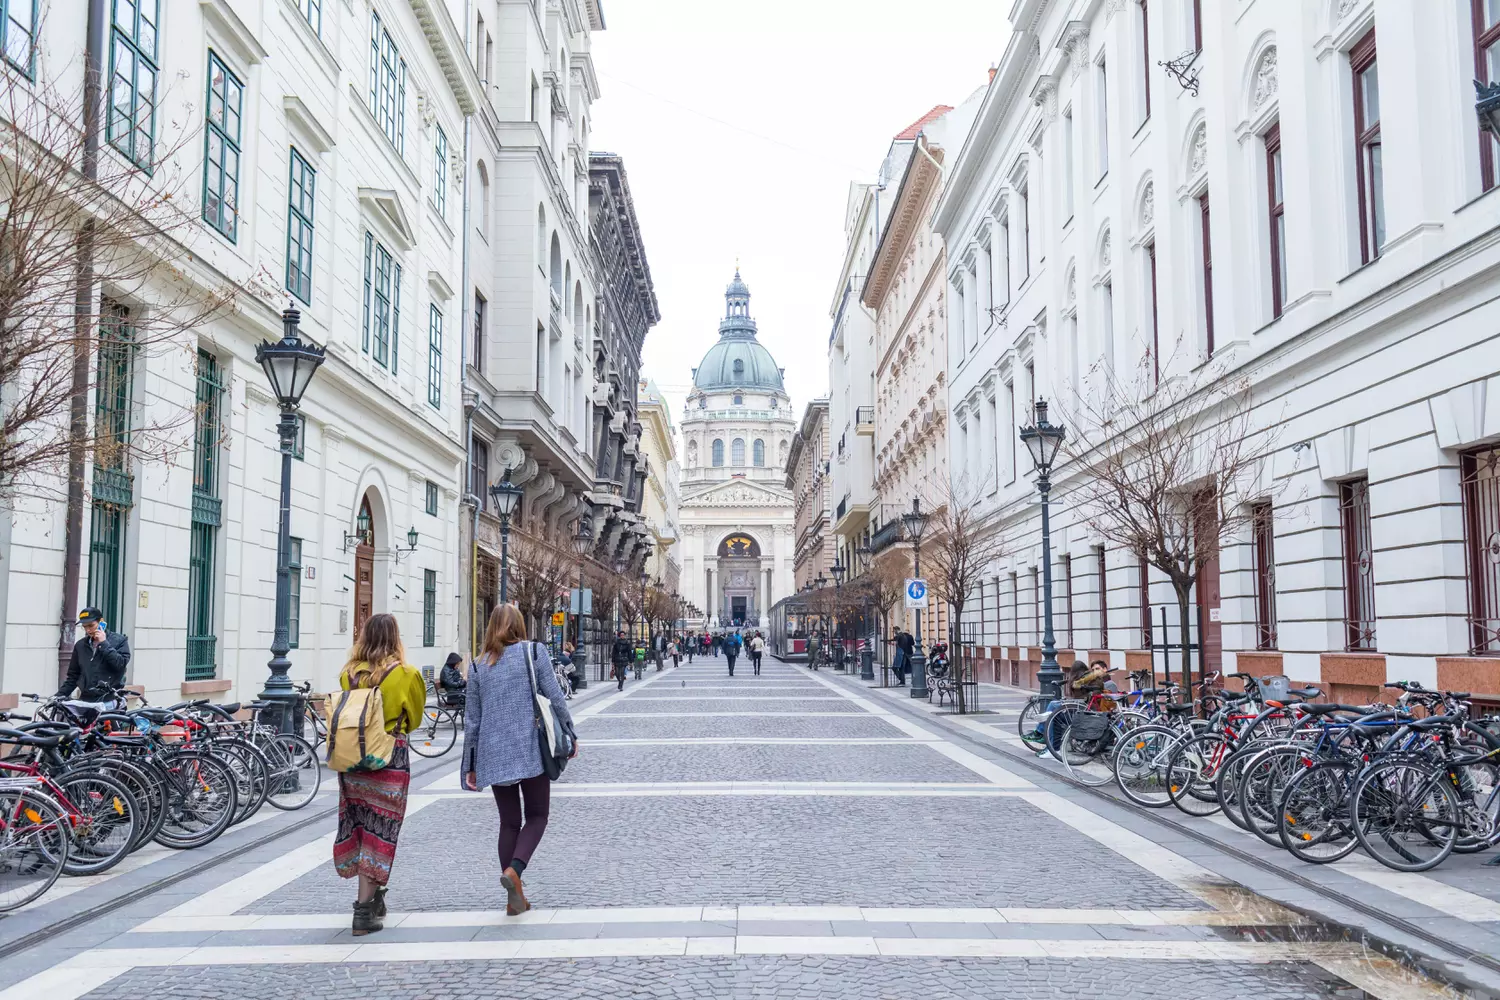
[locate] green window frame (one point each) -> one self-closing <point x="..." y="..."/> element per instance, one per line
<point x="107" y="559"/>
<point x="440" y="173"/>
<point x="221" y="148"/>
<point x="130" y="125"/>
<point x="429" y="607"/>
<point x="312" y="10"/>
<point x="432" y="498"/>
<point x="387" y="84"/>
<point x="113" y="487"/>
<point x="435" y="356"/>
<point x="382" y="304"/>
<point x="301" y="201"/>
<point x="202" y="643"/>
<point x="294" y="591"/>
<point x="18" y="24"/>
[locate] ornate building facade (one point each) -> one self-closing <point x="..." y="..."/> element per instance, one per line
<point x="807" y="476"/>
<point x="737" y="514"/>
<point x="660" y="498"/>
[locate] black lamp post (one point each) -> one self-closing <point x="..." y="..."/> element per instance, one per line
<point x="290" y="365"/>
<point x="915" y="523"/>
<point x="838" y="569"/>
<point x="506" y="495"/>
<point x="619" y="594"/>
<point x="867" y="655"/>
<point x="583" y="542"/>
<point x="1043" y="440"/>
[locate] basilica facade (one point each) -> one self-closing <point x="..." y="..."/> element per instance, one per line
<point x="736" y="512"/>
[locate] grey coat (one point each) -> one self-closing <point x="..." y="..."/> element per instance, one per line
<point x="500" y="742"/>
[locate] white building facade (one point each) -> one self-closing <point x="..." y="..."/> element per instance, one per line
<point x="1245" y="210"/>
<point x="661" y="501"/>
<point x="321" y="145"/>
<point x="737" y="513"/>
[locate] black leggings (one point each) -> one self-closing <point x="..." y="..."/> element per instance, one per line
<point x="518" y="842"/>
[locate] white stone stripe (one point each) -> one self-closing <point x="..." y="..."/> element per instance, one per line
<point x="66" y="982"/>
<point x="742" y="697"/>
<point x="818" y="741"/>
<point x="449" y="788"/>
<point x="719" y="914"/>
<point x="729" y="715"/>
<point x="113" y="959"/>
<point x="597" y="705"/>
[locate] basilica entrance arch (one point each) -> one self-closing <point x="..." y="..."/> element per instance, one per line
<point x="739" y="597"/>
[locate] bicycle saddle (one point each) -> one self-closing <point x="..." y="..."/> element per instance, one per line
<point x="1177" y="709"/>
<point x="1318" y="708"/>
<point x="230" y="708"/>
<point x="158" y="715"/>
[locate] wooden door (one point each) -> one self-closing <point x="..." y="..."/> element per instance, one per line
<point x="1212" y="655"/>
<point x="364" y="586"/>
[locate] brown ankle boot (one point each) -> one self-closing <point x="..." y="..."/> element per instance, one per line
<point x="515" y="893"/>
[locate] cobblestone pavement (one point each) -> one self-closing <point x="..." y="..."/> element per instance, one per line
<point x="784" y="836"/>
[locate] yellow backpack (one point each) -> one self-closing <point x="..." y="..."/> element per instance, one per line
<point x="357" y="737"/>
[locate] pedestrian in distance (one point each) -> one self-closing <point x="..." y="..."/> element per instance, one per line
<point x="732" y="646"/>
<point x="96" y="669"/>
<point x="620" y="656"/>
<point x="575" y="659"/>
<point x="757" y="647"/>
<point x="450" y="682"/>
<point x="659" y="650"/>
<point x="902" y="658"/>
<point x="675" y="651"/>
<point x="814" y="650"/>
<point x="689" y="645"/>
<point x="372" y="804"/>
<point x="501" y="750"/>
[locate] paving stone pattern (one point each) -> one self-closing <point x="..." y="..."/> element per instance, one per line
<point x="853" y="726"/>
<point x="745" y="978"/>
<point x="774" y="707"/>
<point x="780" y="762"/>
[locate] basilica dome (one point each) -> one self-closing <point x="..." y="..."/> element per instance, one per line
<point x="738" y="360"/>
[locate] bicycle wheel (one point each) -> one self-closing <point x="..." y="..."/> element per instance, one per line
<point x="201" y="800"/>
<point x="1479" y="805"/>
<point x="1056" y="728"/>
<point x="1140" y="764"/>
<point x="1026" y="725"/>
<point x="105" y="819"/>
<point x="1313" y="821"/>
<point x="251" y="771"/>
<point x="1227" y="781"/>
<point x="296" y="772"/>
<point x="1191" y="771"/>
<point x="1092" y="762"/>
<point x="1264" y="785"/>
<point x="1406" y="814"/>
<point x="34" y="846"/>
<point x="436" y="735"/>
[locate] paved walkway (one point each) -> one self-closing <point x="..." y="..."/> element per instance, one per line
<point x="795" y="835"/>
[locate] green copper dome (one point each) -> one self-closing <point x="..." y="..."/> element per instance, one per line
<point x="738" y="360"/>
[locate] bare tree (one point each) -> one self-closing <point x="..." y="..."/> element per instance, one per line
<point x="1166" y="471"/>
<point x="882" y="585"/>
<point x="539" y="571"/>
<point x="961" y="547"/>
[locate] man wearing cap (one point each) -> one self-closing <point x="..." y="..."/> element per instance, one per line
<point x="99" y="660"/>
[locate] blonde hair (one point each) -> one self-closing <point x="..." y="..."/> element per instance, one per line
<point x="506" y="627"/>
<point x="377" y="651"/>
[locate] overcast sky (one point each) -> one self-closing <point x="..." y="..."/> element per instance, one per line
<point x="742" y="126"/>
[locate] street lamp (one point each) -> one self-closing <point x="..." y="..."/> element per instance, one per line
<point x="583" y="543"/>
<point x="838" y="569"/>
<point x="506" y="495"/>
<point x="1043" y="440"/>
<point x="867" y="655"/>
<point x="290" y="365"/>
<point x="1488" y="106"/>
<point x="915" y="523"/>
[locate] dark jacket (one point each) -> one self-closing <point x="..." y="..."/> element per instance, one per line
<point x="623" y="651"/>
<point x="906" y="643"/>
<point x="97" y="671"/>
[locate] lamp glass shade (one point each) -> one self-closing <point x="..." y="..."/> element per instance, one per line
<point x="583" y="540"/>
<point x="289" y="367"/>
<point x="915" y="522"/>
<point x="411" y="537"/>
<point x="506" y="495"/>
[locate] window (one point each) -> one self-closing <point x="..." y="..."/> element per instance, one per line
<point x="1145" y="598"/>
<point x="1023" y="205"/>
<point x="19" y="27"/>
<point x="1359" y="565"/>
<point x="1036" y="604"/>
<point x="1479" y="478"/>
<point x="113" y="487"/>
<point x="440" y="173"/>
<point x="299" y="227"/>
<point x="430" y="499"/>
<point x="429" y="607"/>
<point x="1067" y="575"/>
<point x="476" y="357"/>
<point x="382" y="304"/>
<point x="1486" y="70"/>
<point x="1155" y="327"/>
<point x="299" y="442"/>
<point x="739" y="370"/>
<point x="739" y="400"/>
<point x="203" y="539"/>
<point x="1277" y="229"/>
<point x="434" y="356"/>
<point x="1367" y="147"/>
<point x="718" y="453"/>
<point x="1015" y="607"/>
<point x="1263" y="532"/>
<point x="387" y="85"/>
<point x="1197" y="14"/>
<point x="758" y="453"/>
<point x="221" y="155"/>
<point x="1103" y="600"/>
<point x="1102" y="97"/>
<point x="1208" y="273"/>
<point x="479" y="473"/>
<point x="1068" y="163"/>
<point x="482" y="208"/>
<point x="1107" y="324"/>
<point x="737" y="452"/>
<point x="294" y="592"/>
<point x="1145" y="62"/>
<point x="1010" y="431"/>
<point x="132" y="92"/>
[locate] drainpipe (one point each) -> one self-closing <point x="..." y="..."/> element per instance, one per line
<point x="78" y="409"/>
<point x="466" y="304"/>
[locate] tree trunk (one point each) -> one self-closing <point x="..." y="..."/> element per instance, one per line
<point x="1187" y="653"/>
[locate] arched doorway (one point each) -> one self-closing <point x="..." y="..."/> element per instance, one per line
<point x="738" y="600"/>
<point x="364" y="566"/>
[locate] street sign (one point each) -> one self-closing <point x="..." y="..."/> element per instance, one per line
<point x="916" y="593"/>
<point x="559" y="617"/>
<point x="581" y="602"/>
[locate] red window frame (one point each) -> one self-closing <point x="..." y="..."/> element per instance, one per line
<point x="1067" y="561"/>
<point x="1486" y="38"/>
<point x="1479" y="480"/>
<point x="1362" y="60"/>
<point x="1197" y="25"/>
<point x="1145" y="581"/>
<point x="1036" y="601"/>
<point x="1103" y="602"/>
<point x="1359" y="565"/>
<point x="1276" y="208"/>
<point x="1263" y="531"/>
<point x="1208" y="271"/>
<point x="476" y="358"/>
<point x="1146" y="57"/>
<point x="1155" y="328"/>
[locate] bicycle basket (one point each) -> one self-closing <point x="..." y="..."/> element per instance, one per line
<point x="1274" y="688"/>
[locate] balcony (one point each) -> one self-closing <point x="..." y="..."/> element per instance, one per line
<point x="888" y="535"/>
<point x="864" y="420"/>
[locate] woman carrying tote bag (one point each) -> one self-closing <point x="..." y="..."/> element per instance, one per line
<point x="502" y="750"/>
<point x="372" y="804"/>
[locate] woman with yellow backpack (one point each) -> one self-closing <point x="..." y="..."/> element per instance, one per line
<point x="371" y="758"/>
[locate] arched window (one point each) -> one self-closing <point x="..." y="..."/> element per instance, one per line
<point x="578" y="314"/>
<point x="739" y="370"/>
<point x="737" y="452"/>
<point x="555" y="267"/>
<point x="739" y="400"/>
<point x="718" y="453"/>
<point x="760" y="453"/>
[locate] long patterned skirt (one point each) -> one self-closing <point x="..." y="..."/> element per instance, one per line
<point x="371" y="807"/>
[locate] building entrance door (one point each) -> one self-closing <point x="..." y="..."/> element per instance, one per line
<point x="364" y="569"/>
<point x="739" y="608"/>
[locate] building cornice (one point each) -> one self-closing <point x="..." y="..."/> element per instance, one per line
<point x="923" y="170"/>
<point x="447" y="46"/>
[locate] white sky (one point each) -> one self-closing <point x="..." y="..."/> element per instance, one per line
<point x="742" y="125"/>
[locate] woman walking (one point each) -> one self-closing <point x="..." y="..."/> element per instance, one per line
<point x="372" y="804"/>
<point x="500" y="741"/>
